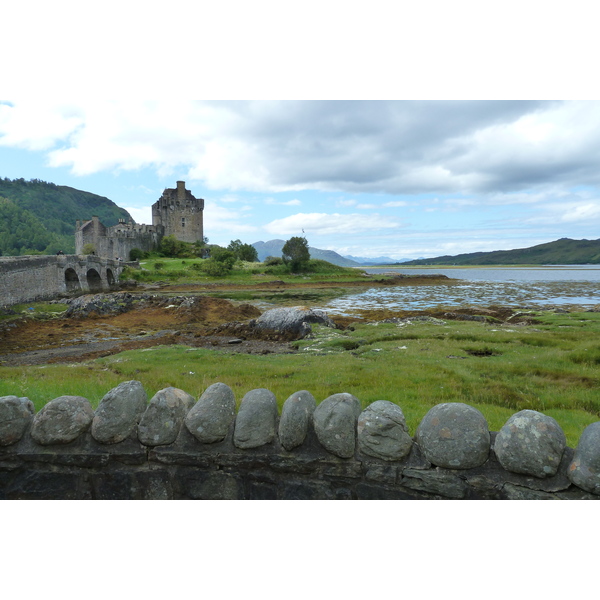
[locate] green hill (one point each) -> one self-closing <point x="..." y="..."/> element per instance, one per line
<point x="274" y="248"/>
<point x="561" y="252"/>
<point x="37" y="217"/>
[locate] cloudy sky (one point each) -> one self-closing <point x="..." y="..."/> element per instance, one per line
<point x="364" y="177"/>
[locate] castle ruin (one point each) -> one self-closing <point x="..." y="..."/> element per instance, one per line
<point x="177" y="212"/>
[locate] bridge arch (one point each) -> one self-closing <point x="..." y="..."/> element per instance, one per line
<point x="110" y="278"/>
<point x="72" y="280"/>
<point x="94" y="280"/>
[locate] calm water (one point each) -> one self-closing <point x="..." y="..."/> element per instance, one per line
<point x="535" y="287"/>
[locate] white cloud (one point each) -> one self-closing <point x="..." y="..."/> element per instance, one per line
<point x="141" y="215"/>
<point x="396" y="204"/>
<point x="273" y="201"/>
<point x="327" y="224"/>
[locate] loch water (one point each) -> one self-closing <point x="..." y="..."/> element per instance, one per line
<point x="543" y="287"/>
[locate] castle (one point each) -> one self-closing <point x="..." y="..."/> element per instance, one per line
<point x="177" y="212"/>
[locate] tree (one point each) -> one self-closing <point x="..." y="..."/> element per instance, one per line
<point x="242" y="251"/>
<point x="171" y="246"/>
<point x="295" y="253"/>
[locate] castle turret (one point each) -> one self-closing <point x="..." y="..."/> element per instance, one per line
<point x="180" y="213"/>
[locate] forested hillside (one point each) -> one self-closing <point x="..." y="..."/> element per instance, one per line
<point x="561" y="252"/>
<point x="37" y="217"/>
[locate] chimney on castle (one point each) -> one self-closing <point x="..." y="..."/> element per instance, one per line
<point x="181" y="190"/>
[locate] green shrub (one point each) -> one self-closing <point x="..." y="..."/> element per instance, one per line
<point x="136" y="254"/>
<point x="273" y="261"/>
<point x="215" y="268"/>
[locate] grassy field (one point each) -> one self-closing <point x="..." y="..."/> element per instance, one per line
<point x="552" y="366"/>
<point x="189" y="270"/>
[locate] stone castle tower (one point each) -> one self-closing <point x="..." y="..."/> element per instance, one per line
<point x="177" y="212"/>
<point x="180" y="214"/>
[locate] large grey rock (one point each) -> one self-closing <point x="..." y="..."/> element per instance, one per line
<point x="296" y="416"/>
<point x="382" y="431"/>
<point x="454" y="436"/>
<point x="62" y="420"/>
<point x="335" y="423"/>
<point x="530" y="443"/>
<point x="210" y="418"/>
<point x="119" y="412"/>
<point x="161" y="422"/>
<point x="256" y="419"/>
<point x="15" y="415"/>
<point x="295" y="319"/>
<point x="584" y="470"/>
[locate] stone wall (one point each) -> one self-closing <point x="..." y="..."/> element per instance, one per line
<point x="117" y="241"/>
<point x="174" y="447"/>
<point x="35" y="278"/>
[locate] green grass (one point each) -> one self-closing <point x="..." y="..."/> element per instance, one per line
<point x="189" y="270"/>
<point x="34" y="309"/>
<point x="496" y="369"/>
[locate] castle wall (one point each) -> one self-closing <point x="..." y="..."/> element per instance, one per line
<point x="171" y="448"/>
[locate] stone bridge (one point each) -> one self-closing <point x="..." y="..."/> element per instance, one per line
<point x="34" y="278"/>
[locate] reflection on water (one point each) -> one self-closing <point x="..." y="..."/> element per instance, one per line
<point x="535" y="287"/>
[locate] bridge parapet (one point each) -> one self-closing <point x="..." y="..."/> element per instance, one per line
<point x="175" y="448"/>
<point x="34" y="278"/>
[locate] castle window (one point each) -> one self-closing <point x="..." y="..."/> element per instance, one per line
<point x="183" y="221"/>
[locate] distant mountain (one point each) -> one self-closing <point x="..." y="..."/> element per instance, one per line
<point x="46" y="214"/>
<point x="274" y="248"/>
<point x="376" y="260"/>
<point x="561" y="252"/>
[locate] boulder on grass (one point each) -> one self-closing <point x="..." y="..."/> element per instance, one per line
<point x="293" y="320"/>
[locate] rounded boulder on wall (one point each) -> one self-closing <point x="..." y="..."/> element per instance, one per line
<point x="455" y="436"/>
<point x="530" y="443"/>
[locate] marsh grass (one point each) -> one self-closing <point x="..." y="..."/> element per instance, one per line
<point x="499" y="370"/>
